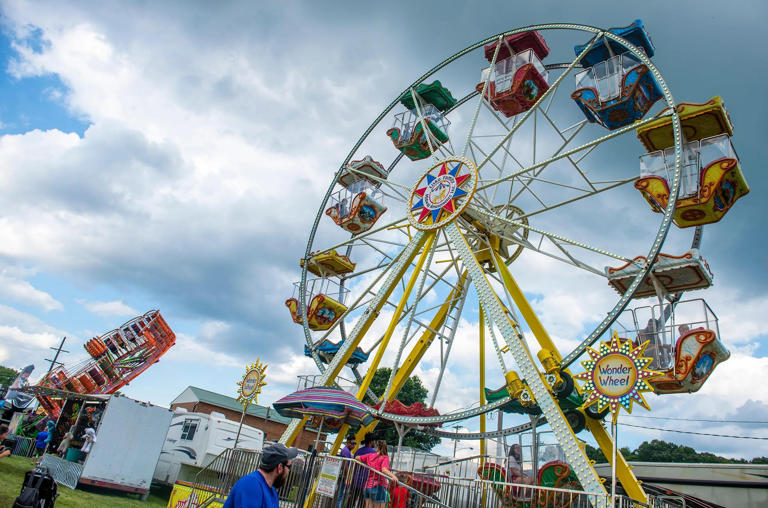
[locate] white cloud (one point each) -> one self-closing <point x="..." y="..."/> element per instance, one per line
<point x="113" y="308"/>
<point x="22" y="291"/>
<point x="36" y="340"/>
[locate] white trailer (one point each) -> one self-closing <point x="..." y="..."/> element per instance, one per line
<point x="195" y="439"/>
<point x="129" y="438"/>
<point x="128" y="445"/>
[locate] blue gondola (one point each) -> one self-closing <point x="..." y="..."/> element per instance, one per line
<point x="327" y="349"/>
<point x="616" y="88"/>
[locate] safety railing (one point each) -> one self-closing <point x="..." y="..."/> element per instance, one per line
<point x="23" y="446"/>
<point x="321" y="481"/>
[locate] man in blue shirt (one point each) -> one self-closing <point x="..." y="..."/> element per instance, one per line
<point x="259" y="489"/>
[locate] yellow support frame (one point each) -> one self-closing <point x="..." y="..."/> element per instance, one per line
<point x="623" y="470"/>
<point x="369" y="317"/>
<point x="418" y="351"/>
<point x="429" y="239"/>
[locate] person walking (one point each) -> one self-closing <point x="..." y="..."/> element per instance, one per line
<point x="375" y="493"/>
<point x="42" y="439"/>
<point x="359" y="474"/>
<point x="259" y="489"/>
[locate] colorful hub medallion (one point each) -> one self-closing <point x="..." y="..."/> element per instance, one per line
<point x="442" y="193"/>
<point x="616" y="375"/>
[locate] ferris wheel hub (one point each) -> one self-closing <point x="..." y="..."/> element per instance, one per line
<point x="442" y="193"/>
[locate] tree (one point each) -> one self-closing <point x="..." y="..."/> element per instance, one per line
<point x="413" y="391"/>
<point x="662" y="451"/>
<point x="7" y="376"/>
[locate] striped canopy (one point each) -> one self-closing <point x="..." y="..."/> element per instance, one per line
<point x="332" y="404"/>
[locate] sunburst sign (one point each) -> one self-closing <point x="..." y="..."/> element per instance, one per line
<point x="253" y="381"/>
<point x="616" y="375"/>
<point x="442" y="192"/>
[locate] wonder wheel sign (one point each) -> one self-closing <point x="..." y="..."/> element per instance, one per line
<point x="616" y="375"/>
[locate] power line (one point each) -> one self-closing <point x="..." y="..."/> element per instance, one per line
<point x="695" y="419"/>
<point x="691" y="432"/>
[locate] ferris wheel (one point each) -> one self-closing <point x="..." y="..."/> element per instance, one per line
<point x="498" y="196"/>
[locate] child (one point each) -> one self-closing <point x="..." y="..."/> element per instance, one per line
<point x="41" y="442"/>
<point x="375" y="493"/>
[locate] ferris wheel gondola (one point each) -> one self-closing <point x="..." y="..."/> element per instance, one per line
<point x="467" y="219"/>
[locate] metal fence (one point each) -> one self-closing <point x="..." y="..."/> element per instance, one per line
<point x="343" y="481"/>
<point x="23" y="446"/>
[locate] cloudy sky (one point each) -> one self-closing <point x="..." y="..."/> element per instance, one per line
<point x="174" y="155"/>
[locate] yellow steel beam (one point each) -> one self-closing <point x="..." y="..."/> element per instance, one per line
<point x="525" y="309"/>
<point x="623" y="471"/>
<point x="421" y="346"/>
<point x="369" y="317"/>
<point x="429" y="240"/>
<point x="426" y="249"/>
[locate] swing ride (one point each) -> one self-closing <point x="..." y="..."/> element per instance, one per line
<point x="486" y="251"/>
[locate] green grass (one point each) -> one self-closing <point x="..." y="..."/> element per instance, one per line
<point x="12" y="471"/>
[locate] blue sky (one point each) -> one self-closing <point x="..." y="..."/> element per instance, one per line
<point x="163" y="156"/>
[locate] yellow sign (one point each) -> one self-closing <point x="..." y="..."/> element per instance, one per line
<point x="616" y="376"/>
<point x="184" y="496"/>
<point x="252" y="383"/>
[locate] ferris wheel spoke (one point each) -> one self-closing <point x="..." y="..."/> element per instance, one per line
<point x="393" y="186"/>
<point x="563" y="138"/>
<point x="551" y="90"/>
<point x="434" y="275"/>
<point x="482" y="95"/>
<point x="562" y="155"/>
<point x="569" y="259"/>
<point x="551" y="236"/>
<point x="585" y="194"/>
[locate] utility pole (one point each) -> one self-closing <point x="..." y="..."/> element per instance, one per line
<point x="456" y="439"/>
<point x="58" y="350"/>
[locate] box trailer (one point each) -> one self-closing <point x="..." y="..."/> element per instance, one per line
<point x="195" y="439"/>
<point x="129" y="439"/>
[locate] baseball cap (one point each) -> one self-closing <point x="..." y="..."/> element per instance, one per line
<point x="273" y="455"/>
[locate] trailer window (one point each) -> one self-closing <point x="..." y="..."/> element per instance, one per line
<point x="188" y="430"/>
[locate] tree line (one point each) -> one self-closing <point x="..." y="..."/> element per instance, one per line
<point x="662" y="451"/>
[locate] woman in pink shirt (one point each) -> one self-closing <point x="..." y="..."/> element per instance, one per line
<point x="375" y="492"/>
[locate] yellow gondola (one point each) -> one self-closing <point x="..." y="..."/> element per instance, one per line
<point x="328" y="263"/>
<point x="323" y="311"/>
<point x="711" y="178"/>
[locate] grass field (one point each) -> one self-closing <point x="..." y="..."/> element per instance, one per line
<point x="12" y="471"/>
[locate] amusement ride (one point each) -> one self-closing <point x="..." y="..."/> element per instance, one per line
<point x="535" y="175"/>
<point x="116" y="358"/>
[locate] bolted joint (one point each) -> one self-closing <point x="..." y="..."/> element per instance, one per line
<point x="551" y="367"/>
<point x="518" y="389"/>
